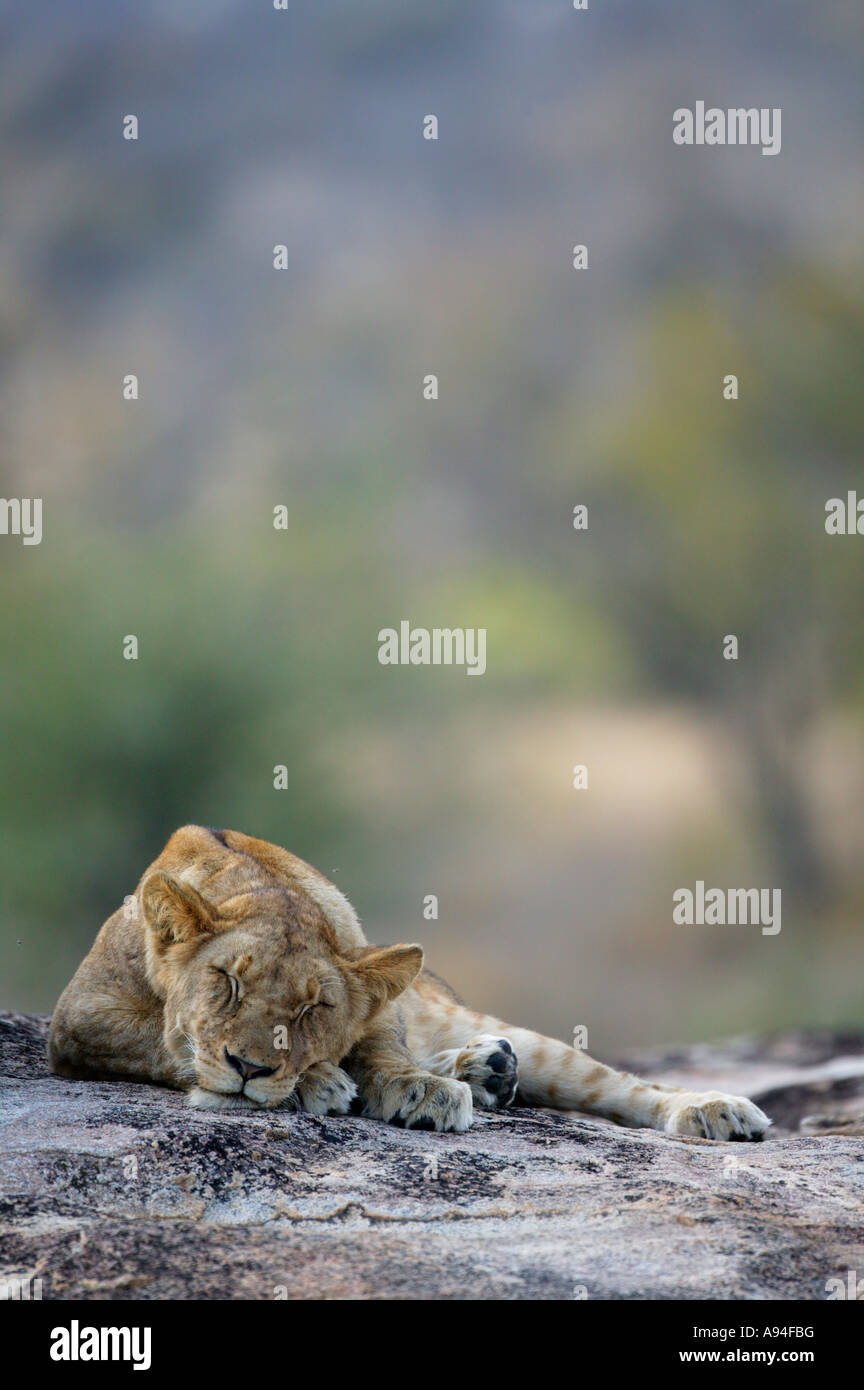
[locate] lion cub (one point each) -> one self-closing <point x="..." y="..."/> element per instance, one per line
<point x="241" y="975"/>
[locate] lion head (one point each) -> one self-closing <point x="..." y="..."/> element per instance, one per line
<point x="257" y="989"/>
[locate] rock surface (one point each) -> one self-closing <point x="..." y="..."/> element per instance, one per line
<point x="115" y="1191"/>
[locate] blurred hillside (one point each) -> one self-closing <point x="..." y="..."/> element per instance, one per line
<point x="258" y="647"/>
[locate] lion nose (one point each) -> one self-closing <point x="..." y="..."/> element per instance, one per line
<point x="247" y="1069"/>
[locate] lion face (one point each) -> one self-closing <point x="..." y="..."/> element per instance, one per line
<point x="255" y="992"/>
<point x="252" y="1024"/>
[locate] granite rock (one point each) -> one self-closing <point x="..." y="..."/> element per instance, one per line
<point x="121" y="1191"/>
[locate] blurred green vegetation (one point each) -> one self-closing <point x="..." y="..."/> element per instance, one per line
<point x="259" y="647"/>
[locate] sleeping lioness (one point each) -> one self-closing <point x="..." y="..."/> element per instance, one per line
<point x="239" y="974"/>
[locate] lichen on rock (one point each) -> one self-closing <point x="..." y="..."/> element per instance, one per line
<point x="121" y="1191"/>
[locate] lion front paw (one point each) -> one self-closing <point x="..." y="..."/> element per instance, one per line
<point x="489" y="1065"/>
<point x="713" y="1115"/>
<point x="424" y="1102"/>
<point x="325" y="1089"/>
<point x="218" y="1100"/>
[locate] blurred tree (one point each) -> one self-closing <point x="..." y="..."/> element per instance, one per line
<point x="713" y="512"/>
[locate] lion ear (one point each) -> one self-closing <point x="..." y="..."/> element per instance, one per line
<point x="174" y="911"/>
<point x="386" y="973"/>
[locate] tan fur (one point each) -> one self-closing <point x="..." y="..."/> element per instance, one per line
<point x="240" y="974"/>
